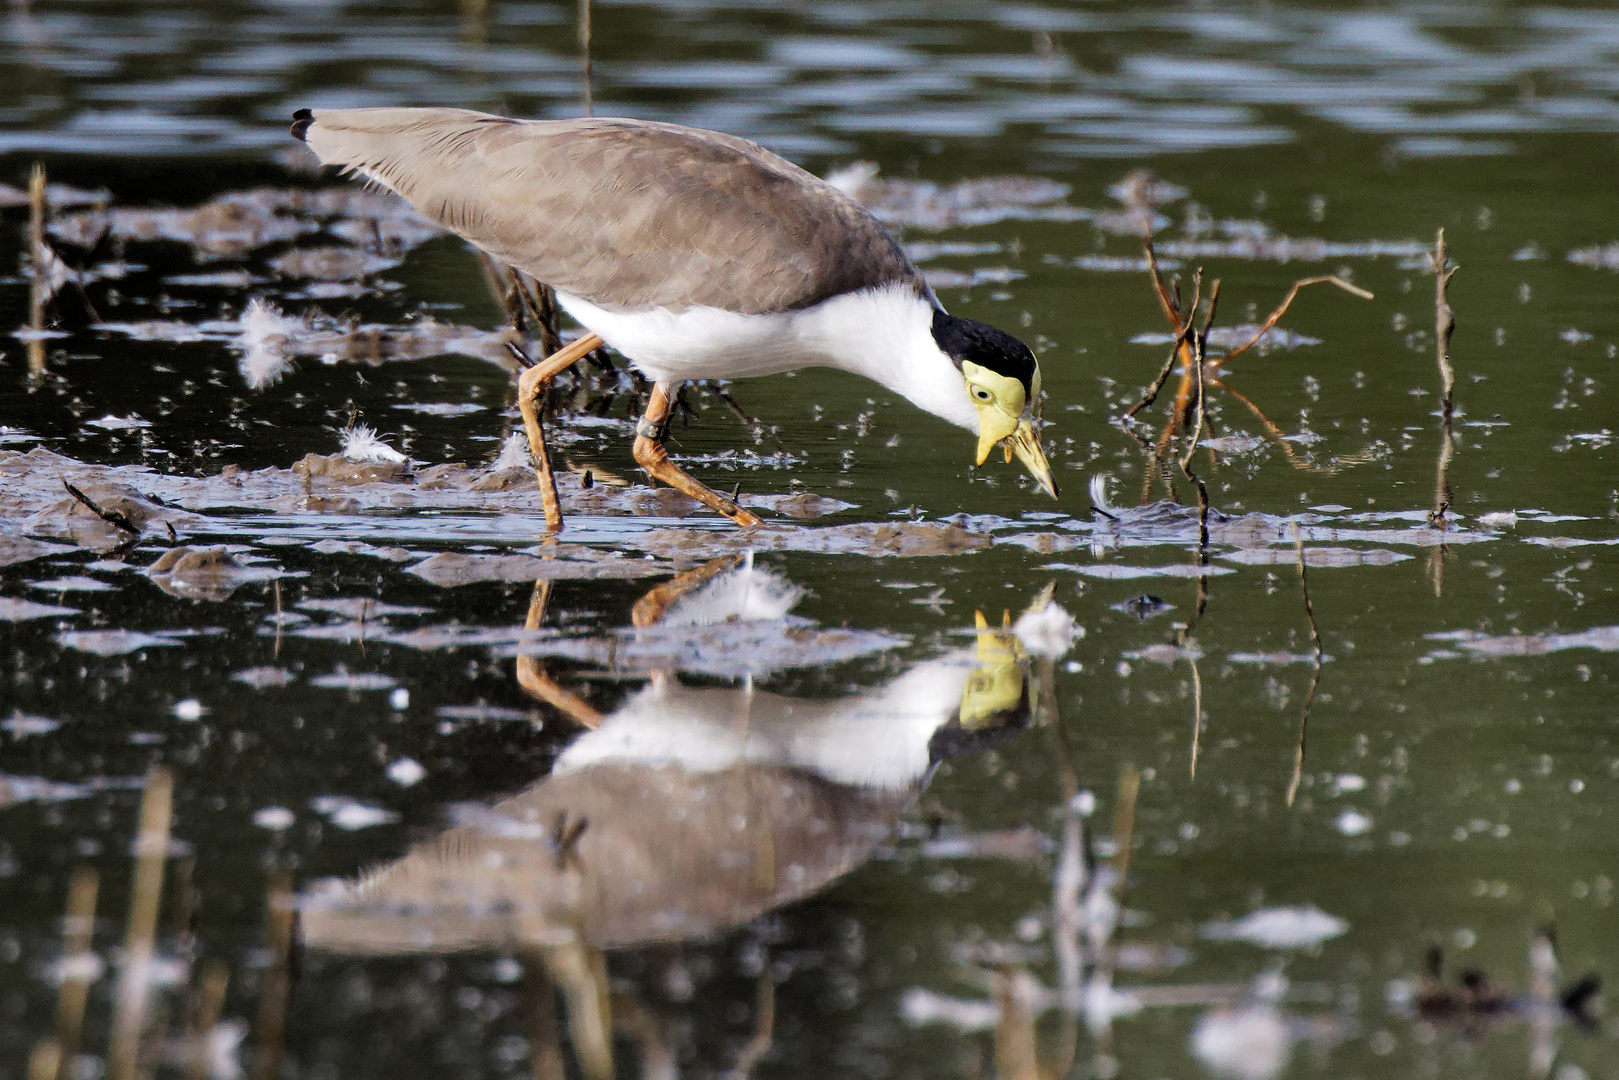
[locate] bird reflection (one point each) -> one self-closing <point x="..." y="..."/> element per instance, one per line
<point x="685" y="811"/>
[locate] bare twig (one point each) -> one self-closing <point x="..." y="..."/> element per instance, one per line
<point x="135" y="984"/>
<point x="764" y="1028"/>
<point x="1444" y="321"/>
<point x="77" y="932"/>
<point x="114" y="518"/>
<point x="46" y="1060"/>
<point x="1200" y="343"/>
<point x="1281" y="309"/>
<point x="210" y="1004"/>
<point x="1158" y="384"/>
<point x="586" y="96"/>
<point x="1124" y="826"/>
<point x="540" y="1009"/>
<point x="1197" y="712"/>
<point x="1315" y="672"/>
<point x="271" y="1024"/>
<point x="38" y="289"/>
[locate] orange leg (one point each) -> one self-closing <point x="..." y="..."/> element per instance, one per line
<point x="530" y="392"/>
<point x="650" y="455"/>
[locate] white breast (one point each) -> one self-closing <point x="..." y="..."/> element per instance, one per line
<point x="883" y="334"/>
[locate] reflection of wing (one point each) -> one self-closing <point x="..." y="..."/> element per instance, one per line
<point x="702" y="809"/>
<point x="664" y="855"/>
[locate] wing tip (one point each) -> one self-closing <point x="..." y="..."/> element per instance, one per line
<point x="300" y="124"/>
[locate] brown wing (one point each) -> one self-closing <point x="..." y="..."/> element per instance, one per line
<point x="626" y="214"/>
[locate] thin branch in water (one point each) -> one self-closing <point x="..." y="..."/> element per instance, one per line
<point x="764" y="1028"/>
<point x="114" y="518"/>
<point x="1304" y="588"/>
<point x="136" y="981"/>
<point x="1304" y="726"/>
<point x="1158" y="384"/>
<point x="1444" y="321"/>
<point x="269" y="1028"/>
<point x="1124" y="827"/>
<point x="77" y="933"/>
<point x="1170" y="305"/>
<point x="587" y="98"/>
<point x="1200" y="344"/>
<point x="1315" y="670"/>
<point x="1197" y="713"/>
<point x="1281" y="309"/>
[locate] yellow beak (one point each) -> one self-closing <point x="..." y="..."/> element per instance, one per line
<point x="1020" y="439"/>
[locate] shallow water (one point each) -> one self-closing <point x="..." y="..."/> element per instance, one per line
<point x="896" y="839"/>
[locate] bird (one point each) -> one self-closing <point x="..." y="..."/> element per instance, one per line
<point x="695" y="255"/>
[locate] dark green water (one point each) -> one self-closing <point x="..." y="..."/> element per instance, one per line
<point x="1460" y="774"/>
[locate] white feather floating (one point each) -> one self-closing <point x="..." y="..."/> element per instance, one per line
<point x="513" y="453"/>
<point x="746" y="594"/>
<point x="263" y="338"/>
<point x="362" y="443"/>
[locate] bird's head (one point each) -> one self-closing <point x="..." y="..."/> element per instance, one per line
<point x="1002" y="380"/>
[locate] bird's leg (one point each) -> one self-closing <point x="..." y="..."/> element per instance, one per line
<point x="530" y="392"/>
<point x="650" y="432"/>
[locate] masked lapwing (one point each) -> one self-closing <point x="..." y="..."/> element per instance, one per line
<point x="696" y="255"/>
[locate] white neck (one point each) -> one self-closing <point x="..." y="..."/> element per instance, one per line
<point x="884" y="334"/>
<point x="887" y="336"/>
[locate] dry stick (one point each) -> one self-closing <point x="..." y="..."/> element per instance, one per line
<point x="1124" y="826"/>
<point x="1315" y="671"/>
<point x="540" y="1009"/>
<point x="271" y="1024"/>
<point x="1016" y="1055"/>
<point x="78" y="931"/>
<point x="1171" y="308"/>
<point x="151" y="852"/>
<point x="1197" y="712"/>
<point x="584" y="56"/>
<point x="1199" y="356"/>
<point x="764" y="1028"/>
<point x="581" y="970"/>
<point x="1444" y="320"/>
<point x="46" y="1060"/>
<point x="36" y="264"/>
<point x="276" y="582"/>
<point x="1281" y="309"/>
<point x="1157" y="384"/>
<point x="114" y="518"/>
<point x="1276" y="434"/>
<point x="210" y="1005"/>
<point x="1444" y="326"/>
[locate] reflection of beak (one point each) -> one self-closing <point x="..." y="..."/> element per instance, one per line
<point x="996" y="685"/>
<point x="1026" y="445"/>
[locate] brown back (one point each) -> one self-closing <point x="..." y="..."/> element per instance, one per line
<point x="627" y="214"/>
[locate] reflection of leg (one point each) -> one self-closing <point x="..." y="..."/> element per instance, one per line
<point x="650" y="455"/>
<point x="532" y="676"/>
<point x="650" y="1033"/>
<point x="540" y="1005"/>
<point x="530" y="391"/>
<point x="764" y="1028"/>
<point x="582" y="973"/>
<point x="650" y="609"/>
